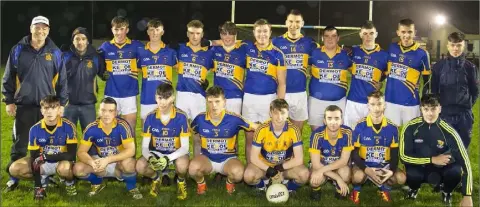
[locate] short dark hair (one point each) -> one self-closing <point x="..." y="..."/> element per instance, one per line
<point x="329" y="28"/>
<point x="195" y="24"/>
<point x="430" y="100"/>
<point x="228" y="28"/>
<point x="368" y="25"/>
<point x="456" y="37"/>
<point x="261" y="22"/>
<point x="375" y="94"/>
<point x="406" y="22"/>
<point x="215" y="91"/>
<point x="332" y="108"/>
<point x="278" y="104"/>
<point x="50" y="100"/>
<point x="164" y="91"/>
<point x="295" y="12"/>
<point x="154" y="23"/>
<point x="109" y="100"/>
<point x="120" y="21"/>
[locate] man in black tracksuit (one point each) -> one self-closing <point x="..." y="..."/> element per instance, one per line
<point x="34" y="70"/>
<point x="82" y="64"/>
<point x="456" y="80"/>
<point x="432" y="151"/>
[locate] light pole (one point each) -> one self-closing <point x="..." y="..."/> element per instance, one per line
<point x="438" y="20"/>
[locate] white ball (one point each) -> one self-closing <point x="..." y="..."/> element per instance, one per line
<point x="277" y="193"/>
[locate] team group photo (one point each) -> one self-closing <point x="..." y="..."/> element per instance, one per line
<point x="259" y="114"/>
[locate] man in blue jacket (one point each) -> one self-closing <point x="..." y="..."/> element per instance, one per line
<point x="456" y="80"/>
<point x="83" y="64"/>
<point x="34" y="70"/>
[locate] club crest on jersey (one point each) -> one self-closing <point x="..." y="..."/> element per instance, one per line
<point x="330" y="64"/>
<point x="440" y="144"/>
<point x="89" y="64"/>
<point x="227" y="57"/>
<point x="155" y="58"/>
<point x="48" y="56"/>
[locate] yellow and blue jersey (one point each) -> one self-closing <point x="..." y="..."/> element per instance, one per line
<point x="367" y="70"/>
<point x="157" y="68"/>
<point x="55" y="141"/>
<point x="219" y="140"/>
<point x="330" y="149"/>
<point x="329" y="74"/>
<point x="121" y="65"/>
<point x="107" y="143"/>
<point x="262" y="67"/>
<point x="165" y="136"/>
<point x="193" y="67"/>
<point x="296" y="53"/>
<point x="404" y="70"/>
<point x="374" y="146"/>
<point x="229" y="68"/>
<point x="276" y="149"/>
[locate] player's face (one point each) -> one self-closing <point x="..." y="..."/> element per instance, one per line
<point x="376" y="107"/>
<point x="80" y="42"/>
<point x="430" y="113"/>
<point x="40" y="31"/>
<point x="368" y="36"/>
<point x="164" y="104"/>
<point x="216" y="105"/>
<point x="262" y="34"/>
<point x="456" y="49"/>
<point x="120" y="33"/>
<point x="50" y="112"/>
<point x="333" y="120"/>
<point x="406" y="34"/>
<point x="195" y="35"/>
<point x="330" y="39"/>
<point x="294" y="24"/>
<point x="228" y="39"/>
<point x="107" y="112"/>
<point x="155" y="34"/>
<point x="279" y="117"/>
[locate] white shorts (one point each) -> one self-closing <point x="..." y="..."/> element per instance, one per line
<point x="126" y="105"/>
<point x="298" y="106"/>
<point x="146" y="109"/>
<point x="49" y="168"/>
<point x="316" y="109"/>
<point x="256" y="108"/>
<point x="217" y="167"/>
<point x="399" y="114"/>
<point x="354" y="111"/>
<point x="191" y="103"/>
<point x="234" y="105"/>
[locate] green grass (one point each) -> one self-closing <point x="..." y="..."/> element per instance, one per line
<point x="115" y="193"/>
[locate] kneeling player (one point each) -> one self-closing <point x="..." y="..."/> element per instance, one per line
<point x="376" y="147"/>
<point x="52" y="145"/>
<point x="112" y="137"/>
<point x="218" y="130"/>
<point x="165" y="140"/>
<point x="277" y="151"/>
<point x="330" y="149"/>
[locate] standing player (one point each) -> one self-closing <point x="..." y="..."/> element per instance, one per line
<point x="218" y="129"/>
<point x="277" y="151"/>
<point x="120" y="56"/>
<point x="330" y="149"/>
<point x="165" y="140"/>
<point x="52" y="145"/>
<point x="297" y="49"/>
<point x="376" y="150"/>
<point x="156" y="62"/>
<point x="194" y="62"/>
<point x="328" y="85"/>
<point x="265" y="78"/>
<point x="368" y="72"/>
<point x="112" y="137"/>
<point x="407" y="62"/>
<point x="229" y="66"/>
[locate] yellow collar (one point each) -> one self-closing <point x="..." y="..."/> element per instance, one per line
<point x="237" y="45"/>
<point x="101" y="125"/>
<point x="173" y="113"/>
<point x="339" y="134"/>
<point x="127" y="41"/>
<point x="376" y="49"/>
<point x="269" y="47"/>
<point x="415" y="46"/>
<point x="324" y="50"/>
<point x="370" y="122"/>
<point x="44" y="125"/>
<point x="290" y="39"/>
<point x="201" y="48"/>
<point x="147" y="47"/>
<point x="209" y="118"/>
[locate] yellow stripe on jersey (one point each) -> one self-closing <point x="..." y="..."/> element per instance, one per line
<point x="403" y="156"/>
<point x="263" y="66"/>
<point x="122" y="66"/>
<point x="157" y="72"/>
<point x="377" y="73"/>
<point x="88" y="143"/>
<point x="463" y="153"/>
<point x="182" y="69"/>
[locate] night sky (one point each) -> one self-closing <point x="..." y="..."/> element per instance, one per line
<point x="66" y="16"/>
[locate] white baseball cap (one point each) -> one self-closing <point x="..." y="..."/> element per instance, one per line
<point x="40" y="19"/>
